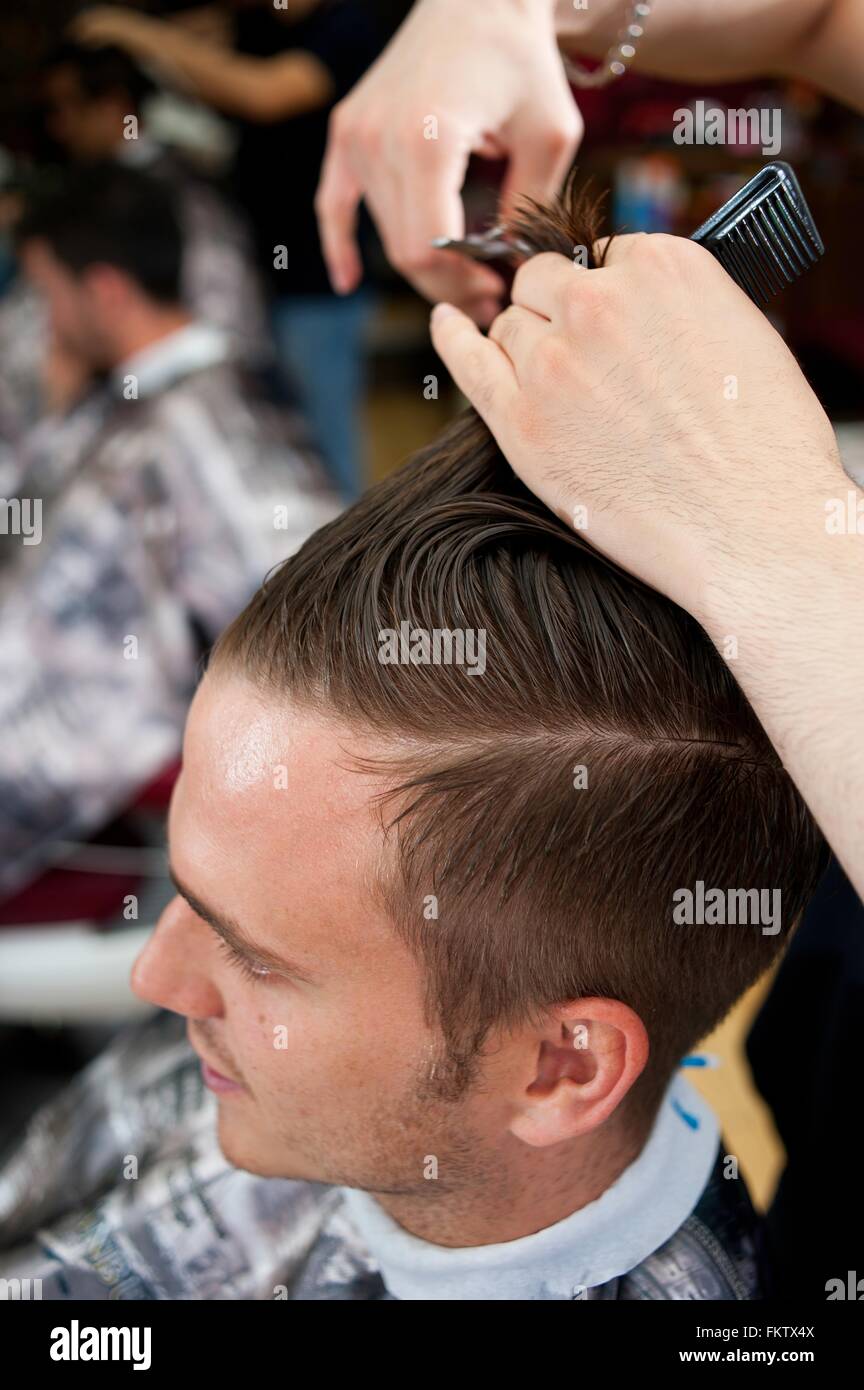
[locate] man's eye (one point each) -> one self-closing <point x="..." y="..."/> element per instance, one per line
<point x="246" y="967"/>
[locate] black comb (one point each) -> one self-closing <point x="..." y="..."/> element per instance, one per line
<point x="765" y="236"/>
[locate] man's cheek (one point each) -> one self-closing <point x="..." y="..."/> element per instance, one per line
<point x="272" y="1044"/>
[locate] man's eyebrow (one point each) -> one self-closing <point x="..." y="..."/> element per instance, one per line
<point x="234" y="936"/>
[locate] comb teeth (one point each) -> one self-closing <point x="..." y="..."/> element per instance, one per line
<point x="765" y="236"/>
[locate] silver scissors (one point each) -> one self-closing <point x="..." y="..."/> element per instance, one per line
<point x="493" y="245"/>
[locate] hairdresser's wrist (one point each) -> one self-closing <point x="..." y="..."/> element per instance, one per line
<point x="794" y="639"/>
<point x="769" y="596"/>
<point x="539" y="14"/>
<point x="588" y="30"/>
<point x="496" y="15"/>
<point x="518" y="9"/>
<point x="533" y="7"/>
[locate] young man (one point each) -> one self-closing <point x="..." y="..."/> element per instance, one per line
<point x="93" y="110"/>
<point x="94" y="103"/>
<point x="277" y="74"/>
<point x="161" y="502"/>
<point x="449" y="784"/>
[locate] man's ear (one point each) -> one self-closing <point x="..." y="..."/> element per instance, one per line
<point x="583" y="1065"/>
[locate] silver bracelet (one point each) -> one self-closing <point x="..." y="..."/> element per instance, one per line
<point x="618" y="57"/>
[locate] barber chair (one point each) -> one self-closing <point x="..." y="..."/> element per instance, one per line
<point x="68" y="939"/>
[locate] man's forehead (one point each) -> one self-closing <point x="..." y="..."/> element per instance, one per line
<point x="243" y="744"/>
<point x="270" y="825"/>
<point x="266" y="785"/>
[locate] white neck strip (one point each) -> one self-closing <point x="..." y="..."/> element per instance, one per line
<point x="179" y="353"/>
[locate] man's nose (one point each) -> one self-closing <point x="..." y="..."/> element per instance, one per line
<point x="172" y="971"/>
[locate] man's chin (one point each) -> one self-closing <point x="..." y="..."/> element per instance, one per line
<point x="240" y="1147"/>
<point x="237" y="1145"/>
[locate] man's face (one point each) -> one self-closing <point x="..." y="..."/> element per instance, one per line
<point x="87" y="127"/>
<point x="272" y="831"/>
<point x="74" y="309"/>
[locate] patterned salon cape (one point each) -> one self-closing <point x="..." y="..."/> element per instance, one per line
<point x="161" y="516"/>
<point x="191" y="1226"/>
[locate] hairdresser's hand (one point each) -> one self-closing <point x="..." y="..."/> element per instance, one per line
<point x="459" y="78"/>
<point x="652" y="394"/>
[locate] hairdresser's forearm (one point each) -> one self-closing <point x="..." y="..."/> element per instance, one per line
<point x="719" y="39"/>
<point x="695" y="40"/>
<point x="798" y="619"/>
<point x="220" y="78"/>
<point x="255" y="89"/>
<point x="832" y="55"/>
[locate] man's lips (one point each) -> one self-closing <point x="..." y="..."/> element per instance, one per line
<point x="215" y="1079"/>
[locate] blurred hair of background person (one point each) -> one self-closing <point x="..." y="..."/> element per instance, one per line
<point x="278" y="76"/>
<point x="186" y="489"/>
<point x="92" y="101"/>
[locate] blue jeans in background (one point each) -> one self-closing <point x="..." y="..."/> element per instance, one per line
<point x="320" y="347"/>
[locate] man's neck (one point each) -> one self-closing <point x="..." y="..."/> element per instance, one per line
<point x="524" y="1190"/>
<point x="567" y="1226"/>
<point x="147" y="330"/>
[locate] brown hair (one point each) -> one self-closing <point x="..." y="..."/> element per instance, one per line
<point x="546" y="892"/>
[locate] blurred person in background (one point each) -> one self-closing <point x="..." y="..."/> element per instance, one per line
<point x="92" y="103"/>
<point x="93" y="100"/>
<point x="278" y="74"/>
<point x="187" y="488"/>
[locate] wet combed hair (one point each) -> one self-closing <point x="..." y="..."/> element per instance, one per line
<point x="546" y="892"/>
